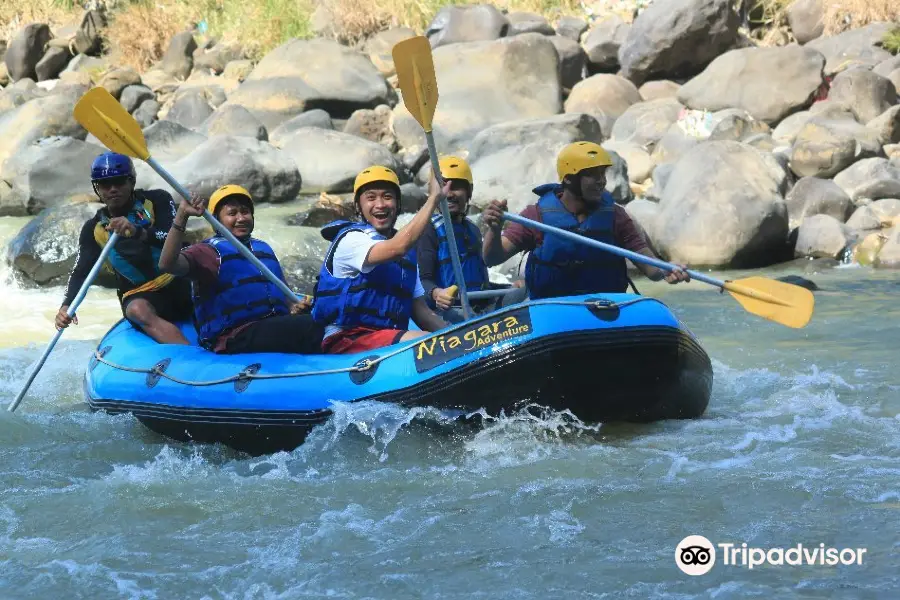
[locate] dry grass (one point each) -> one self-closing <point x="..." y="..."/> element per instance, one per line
<point x="15" y="14"/>
<point x="157" y="23"/>
<point x="841" y="15"/>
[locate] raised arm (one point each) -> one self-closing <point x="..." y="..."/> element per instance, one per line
<point x="170" y="259"/>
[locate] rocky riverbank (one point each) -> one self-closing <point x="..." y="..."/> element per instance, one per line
<point x="728" y="153"/>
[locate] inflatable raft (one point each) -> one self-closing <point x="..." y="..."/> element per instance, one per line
<point x="615" y="357"/>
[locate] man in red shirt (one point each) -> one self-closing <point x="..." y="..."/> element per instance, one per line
<point x="580" y="203"/>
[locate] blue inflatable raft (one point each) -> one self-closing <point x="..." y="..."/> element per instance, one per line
<point x="615" y="357"/>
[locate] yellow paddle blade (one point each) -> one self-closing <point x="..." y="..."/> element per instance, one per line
<point x="103" y="116"/>
<point x="415" y="72"/>
<point x="453" y="290"/>
<point x="777" y="301"/>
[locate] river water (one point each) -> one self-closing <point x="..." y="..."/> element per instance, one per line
<point x="800" y="445"/>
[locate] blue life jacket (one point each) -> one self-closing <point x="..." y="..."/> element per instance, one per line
<point x="243" y="294"/>
<point x="381" y="298"/>
<point x="136" y="261"/>
<point x="473" y="267"/>
<point x="559" y="267"/>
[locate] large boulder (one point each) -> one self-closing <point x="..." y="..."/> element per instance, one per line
<point x="722" y="206"/>
<point x="116" y="80"/>
<point x="267" y="173"/>
<point x="48" y="173"/>
<point x="745" y="79"/>
<point x="190" y="110"/>
<point x="864" y="219"/>
<point x="825" y="147"/>
<point x="486" y="83"/>
<point x="52" y="63"/>
<point x="380" y="46"/>
<point x="873" y="178"/>
<point x="571" y="27"/>
<point x="88" y="37"/>
<point x="473" y="23"/>
<point x="887" y="125"/>
<point x="889" y="255"/>
<point x="645" y="123"/>
<point x="571" y="61"/>
<point x="375" y="125"/>
<point x="169" y="141"/>
<point x="806" y="19"/>
<point x="814" y="196"/>
<point x="234" y="120"/>
<point x="677" y="38"/>
<point x="861" y="46"/>
<point x="605" y="97"/>
<point x="330" y="160"/>
<point x="46" y="248"/>
<point x="26" y="51"/>
<point x="215" y="59"/>
<point x="528" y="22"/>
<point x="133" y="96"/>
<point x="822" y="236"/>
<point x="19" y="93"/>
<point x="656" y="90"/>
<point x="640" y="165"/>
<point x="146" y="114"/>
<point x="311" y="118"/>
<point x="36" y="119"/>
<point x="603" y="42"/>
<point x="786" y="131"/>
<point x="737" y="125"/>
<point x="510" y="159"/>
<point x="291" y="79"/>
<point x="179" y="58"/>
<point x="863" y="93"/>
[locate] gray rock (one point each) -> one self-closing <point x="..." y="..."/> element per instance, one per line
<point x="311" y="118"/>
<point x="36" y="119"/>
<point x="380" y="47"/>
<point x="677" y="38"/>
<point x="864" y="93"/>
<point x="657" y="90"/>
<point x="134" y="95"/>
<point x="853" y="47"/>
<point x="169" y="141"/>
<point x="146" y="113"/>
<point x="603" y="42"/>
<point x="786" y="131"/>
<point x="745" y="79"/>
<point x="673" y="145"/>
<point x="46" y="248"/>
<point x="234" y="120"/>
<point x="887" y="209"/>
<point x="116" y="80"/>
<point x="412" y="197"/>
<point x="215" y="59"/>
<point x="660" y="178"/>
<point x="888" y="66"/>
<point x="190" y="110"/>
<point x="26" y="50"/>
<point x="528" y="22"/>
<point x="52" y="63"/>
<point x="471" y="23"/>
<point x="18" y="94"/>
<point x="375" y="125"/>
<point x="618" y="182"/>
<point x="734" y="199"/>
<point x="640" y="165"/>
<point x="290" y="80"/>
<point x="238" y="70"/>
<point x="805" y="18"/>
<point x="485" y="83"/>
<point x="887" y="125"/>
<point x="510" y="159"/>
<point x="571" y="61"/>
<point x="829" y="109"/>
<point x="645" y="123"/>
<point x="88" y="37"/>
<point x="330" y="160"/>
<point x="822" y="236"/>
<point x="47" y="173"/>
<point x="873" y="178"/>
<point x="761" y="141"/>
<point x="889" y="255"/>
<point x="571" y="27"/>
<point x="825" y="147"/>
<point x="325" y="209"/>
<point x="737" y="125"/>
<point x="864" y="219"/>
<point x="814" y="196"/>
<point x="179" y="58"/>
<point x="85" y="64"/>
<point x="605" y="97"/>
<point x="645" y="214"/>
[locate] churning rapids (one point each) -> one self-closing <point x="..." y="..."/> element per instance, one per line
<point x="800" y="445"/>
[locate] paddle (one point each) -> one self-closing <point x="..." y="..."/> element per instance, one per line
<point x="418" y="86"/>
<point x="103" y="116"/>
<point x="479" y="294"/>
<point x="71" y="312"/>
<point x="784" y="303"/>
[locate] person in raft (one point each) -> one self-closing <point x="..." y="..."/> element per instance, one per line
<point x="433" y="250"/>
<point x="236" y="308"/>
<point x="580" y="203"/>
<point x="150" y="300"/>
<point x="369" y="284"/>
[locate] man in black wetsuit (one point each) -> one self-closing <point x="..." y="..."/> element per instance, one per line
<point x="151" y="300"/>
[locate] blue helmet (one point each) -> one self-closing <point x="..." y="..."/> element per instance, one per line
<point x="111" y="164"/>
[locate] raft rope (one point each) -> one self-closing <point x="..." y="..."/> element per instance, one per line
<point x="366" y="363"/>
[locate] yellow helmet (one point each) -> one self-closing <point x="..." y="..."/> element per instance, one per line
<point x="453" y="167"/>
<point x="579" y="156"/>
<point x="375" y="173"/>
<point x="225" y="191"/>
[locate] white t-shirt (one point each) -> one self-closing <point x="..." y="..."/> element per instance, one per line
<point x="349" y="258"/>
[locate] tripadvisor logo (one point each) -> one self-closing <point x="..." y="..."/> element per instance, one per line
<point x="696" y="555"/>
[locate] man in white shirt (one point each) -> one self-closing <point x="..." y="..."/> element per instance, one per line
<point x="369" y="284"/>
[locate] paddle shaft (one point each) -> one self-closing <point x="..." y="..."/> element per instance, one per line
<point x="223" y="231"/>
<point x="477" y="295"/>
<point x="71" y="312"/>
<point x="634" y="256"/>
<point x="448" y="227"/>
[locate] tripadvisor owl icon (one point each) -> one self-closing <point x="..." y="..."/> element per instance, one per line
<point x="695" y="555"/>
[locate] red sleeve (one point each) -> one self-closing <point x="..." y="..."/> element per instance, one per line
<point x="524" y="238"/>
<point x="627" y="234"/>
<point x="203" y="265"/>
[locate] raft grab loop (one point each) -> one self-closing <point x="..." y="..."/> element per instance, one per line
<point x="364" y="369"/>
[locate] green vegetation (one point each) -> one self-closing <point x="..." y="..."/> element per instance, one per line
<point x="891" y="40"/>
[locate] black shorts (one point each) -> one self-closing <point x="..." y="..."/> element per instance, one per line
<point x="288" y="334"/>
<point x="172" y="303"/>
